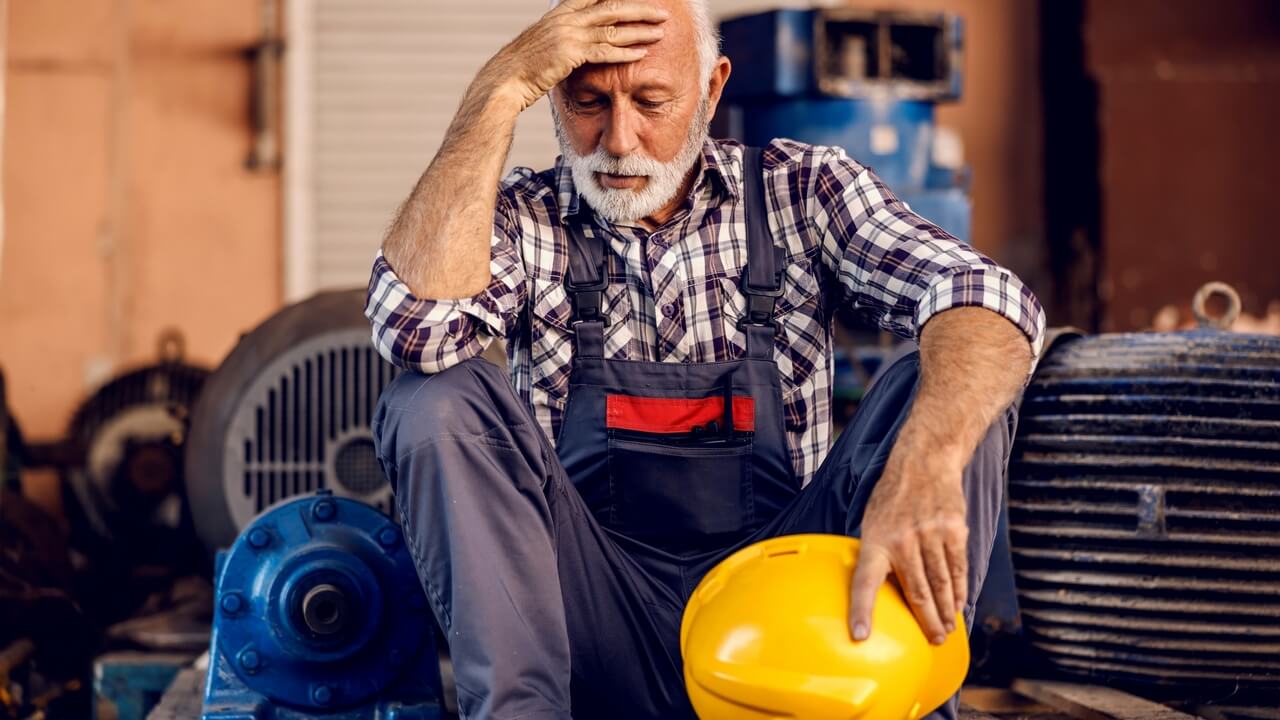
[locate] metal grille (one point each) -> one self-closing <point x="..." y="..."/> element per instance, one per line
<point x="356" y="467"/>
<point x="1144" y="508"/>
<point x="305" y="425"/>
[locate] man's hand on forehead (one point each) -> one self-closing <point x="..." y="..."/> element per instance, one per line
<point x="572" y="34"/>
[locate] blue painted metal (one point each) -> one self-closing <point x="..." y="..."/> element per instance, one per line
<point x="320" y="615"/>
<point x="772" y="55"/>
<point x="133" y="682"/>
<point x="849" y="124"/>
<point x="787" y="82"/>
<point x="778" y="54"/>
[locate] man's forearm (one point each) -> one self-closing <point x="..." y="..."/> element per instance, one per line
<point x="973" y="363"/>
<point x="439" y="241"/>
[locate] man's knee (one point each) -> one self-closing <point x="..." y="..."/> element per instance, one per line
<point x="417" y="408"/>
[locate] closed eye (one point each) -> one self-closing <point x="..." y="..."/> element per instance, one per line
<point x="587" y="104"/>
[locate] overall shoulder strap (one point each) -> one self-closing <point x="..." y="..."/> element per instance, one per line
<point x="762" y="277"/>
<point x="585" y="282"/>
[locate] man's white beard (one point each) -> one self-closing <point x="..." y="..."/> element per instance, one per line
<point x="624" y="204"/>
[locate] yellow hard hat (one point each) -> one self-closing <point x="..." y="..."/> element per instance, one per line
<point x="766" y="635"/>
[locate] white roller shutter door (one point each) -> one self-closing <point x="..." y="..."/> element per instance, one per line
<point x="371" y="86"/>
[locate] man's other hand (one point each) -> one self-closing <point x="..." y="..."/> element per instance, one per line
<point x="572" y="34"/>
<point x="914" y="526"/>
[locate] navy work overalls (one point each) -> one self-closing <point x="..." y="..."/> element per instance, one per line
<point x="559" y="574"/>
<point x="680" y="456"/>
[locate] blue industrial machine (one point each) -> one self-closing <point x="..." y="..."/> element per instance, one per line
<point x="862" y="80"/>
<point x="319" y="615"/>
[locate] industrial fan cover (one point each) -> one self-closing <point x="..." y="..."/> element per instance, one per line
<point x="288" y="413"/>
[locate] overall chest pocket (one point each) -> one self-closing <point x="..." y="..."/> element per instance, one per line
<point x="679" y="496"/>
<point x="680" y="485"/>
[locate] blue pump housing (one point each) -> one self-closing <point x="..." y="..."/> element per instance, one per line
<point x="319" y="614"/>
<point x="866" y="81"/>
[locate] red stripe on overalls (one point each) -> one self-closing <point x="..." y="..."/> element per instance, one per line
<point x="675" y="415"/>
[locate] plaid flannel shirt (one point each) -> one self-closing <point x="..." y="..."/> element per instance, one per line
<point x="673" y="293"/>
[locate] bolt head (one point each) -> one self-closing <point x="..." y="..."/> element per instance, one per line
<point x="324" y="510"/>
<point x="232" y="603"/>
<point x="322" y="694"/>
<point x="388" y="537"/>
<point x="259" y="538"/>
<point x="250" y="660"/>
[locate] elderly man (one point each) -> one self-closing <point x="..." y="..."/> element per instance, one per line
<point x="667" y="300"/>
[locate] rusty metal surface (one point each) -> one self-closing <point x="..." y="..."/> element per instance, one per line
<point x="1144" y="509"/>
<point x="1186" y="90"/>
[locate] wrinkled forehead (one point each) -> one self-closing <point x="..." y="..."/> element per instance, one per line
<point x="672" y="61"/>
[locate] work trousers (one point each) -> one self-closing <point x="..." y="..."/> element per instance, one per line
<point x="546" y="613"/>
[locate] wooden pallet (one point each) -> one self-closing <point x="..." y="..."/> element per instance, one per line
<point x="1051" y="700"/>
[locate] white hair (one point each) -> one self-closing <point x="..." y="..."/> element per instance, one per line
<point x="705" y="35"/>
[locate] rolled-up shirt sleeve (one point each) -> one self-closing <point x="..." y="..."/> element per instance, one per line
<point x="899" y="267"/>
<point x="427" y="335"/>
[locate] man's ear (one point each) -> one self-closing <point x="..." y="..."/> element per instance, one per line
<point x="719" y="76"/>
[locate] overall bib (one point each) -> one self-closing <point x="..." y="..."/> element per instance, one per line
<point x="682" y="457"/>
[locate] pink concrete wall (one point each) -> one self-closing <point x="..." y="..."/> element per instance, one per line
<point x="128" y="205"/>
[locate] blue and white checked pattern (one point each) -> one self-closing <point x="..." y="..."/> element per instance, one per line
<point x="674" y="293"/>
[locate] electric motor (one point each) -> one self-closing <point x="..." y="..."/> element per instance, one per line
<point x="1144" y="503"/>
<point x="319" y="613"/>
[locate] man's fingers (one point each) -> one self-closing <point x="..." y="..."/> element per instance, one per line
<point x="959" y="564"/>
<point x="613" y="12"/>
<point x="919" y="595"/>
<point x="869" y="574"/>
<point x="938" y="575"/>
<point x="568" y="6"/>
<point x="604" y="53"/>
<point x="625" y="35"/>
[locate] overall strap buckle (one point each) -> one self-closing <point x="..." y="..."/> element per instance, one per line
<point x="587" y="277"/>
<point x="587" y="300"/>
<point x="762" y="300"/>
<point x="759" y="312"/>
